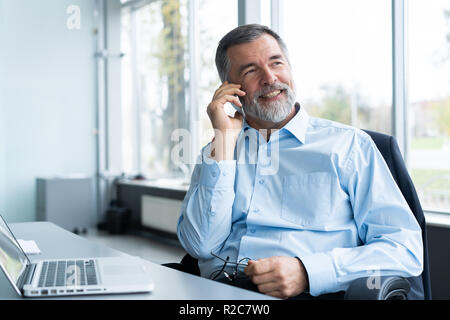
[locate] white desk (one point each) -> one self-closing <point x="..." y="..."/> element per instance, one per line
<point x="56" y="243"/>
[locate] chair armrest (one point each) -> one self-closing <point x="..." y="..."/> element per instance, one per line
<point x="378" y="288"/>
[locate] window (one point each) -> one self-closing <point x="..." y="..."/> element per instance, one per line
<point x="168" y="78"/>
<point x="158" y="50"/>
<point x="429" y="101"/>
<point x="341" y="54"/>
<point x="216" y="18"/>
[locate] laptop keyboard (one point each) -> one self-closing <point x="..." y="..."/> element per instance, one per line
<point x="68" y="273"/>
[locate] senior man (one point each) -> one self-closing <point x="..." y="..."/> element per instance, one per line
<point x="297" y="204"/>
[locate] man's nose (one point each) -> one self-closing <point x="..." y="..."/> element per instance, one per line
<point x="268" y="76"/>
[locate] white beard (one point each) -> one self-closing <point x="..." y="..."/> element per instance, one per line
<point x="275" y="111"/>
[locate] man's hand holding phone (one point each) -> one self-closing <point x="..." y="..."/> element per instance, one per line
<point x="226" y="128"/>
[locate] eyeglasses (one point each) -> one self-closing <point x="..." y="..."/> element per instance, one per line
<point x="230" y="276"/>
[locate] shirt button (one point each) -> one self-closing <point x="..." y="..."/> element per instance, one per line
<point x="252" y="230"/>
<point x="261" y="181"/>
<point x="214" y="174"/>
<point x="256" y="210"/>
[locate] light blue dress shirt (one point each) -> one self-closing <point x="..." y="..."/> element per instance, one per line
<point x="317" y="190"/>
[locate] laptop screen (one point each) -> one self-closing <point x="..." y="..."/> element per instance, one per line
<point x="12" y="259"/>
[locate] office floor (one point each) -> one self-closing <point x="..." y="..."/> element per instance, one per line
<point x="150" y="248"/>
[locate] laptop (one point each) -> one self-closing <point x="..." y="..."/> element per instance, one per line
<point x="62" y="277"/>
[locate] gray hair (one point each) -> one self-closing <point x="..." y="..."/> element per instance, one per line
<point x="242" y="34"/>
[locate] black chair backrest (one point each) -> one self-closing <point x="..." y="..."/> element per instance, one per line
<point x="388" y="147"/>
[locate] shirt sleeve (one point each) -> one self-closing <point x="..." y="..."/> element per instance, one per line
<point x="205" y="218"/>
<point x="391" y="240"/>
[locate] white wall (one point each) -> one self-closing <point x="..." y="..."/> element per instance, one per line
<point x="47" y="98"/>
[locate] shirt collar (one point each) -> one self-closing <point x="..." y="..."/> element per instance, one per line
<point x="296" y="126"/>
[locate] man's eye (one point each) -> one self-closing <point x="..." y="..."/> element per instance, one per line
<point x="249" y="71"/>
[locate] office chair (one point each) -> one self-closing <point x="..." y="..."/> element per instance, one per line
<point x="388" y="287"/>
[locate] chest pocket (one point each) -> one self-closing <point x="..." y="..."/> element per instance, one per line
<point x="307" y="198"/>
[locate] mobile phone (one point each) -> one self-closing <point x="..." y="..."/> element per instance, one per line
<point x="231" y="109"/>
<point x="240" y="110"/>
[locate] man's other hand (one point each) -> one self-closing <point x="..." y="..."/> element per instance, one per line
<point x="281" y="277"/>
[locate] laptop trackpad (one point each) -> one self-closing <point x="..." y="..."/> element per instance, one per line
<point x="127" y="270"/>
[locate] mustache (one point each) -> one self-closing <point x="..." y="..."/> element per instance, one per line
<point x="269" y="88"/>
